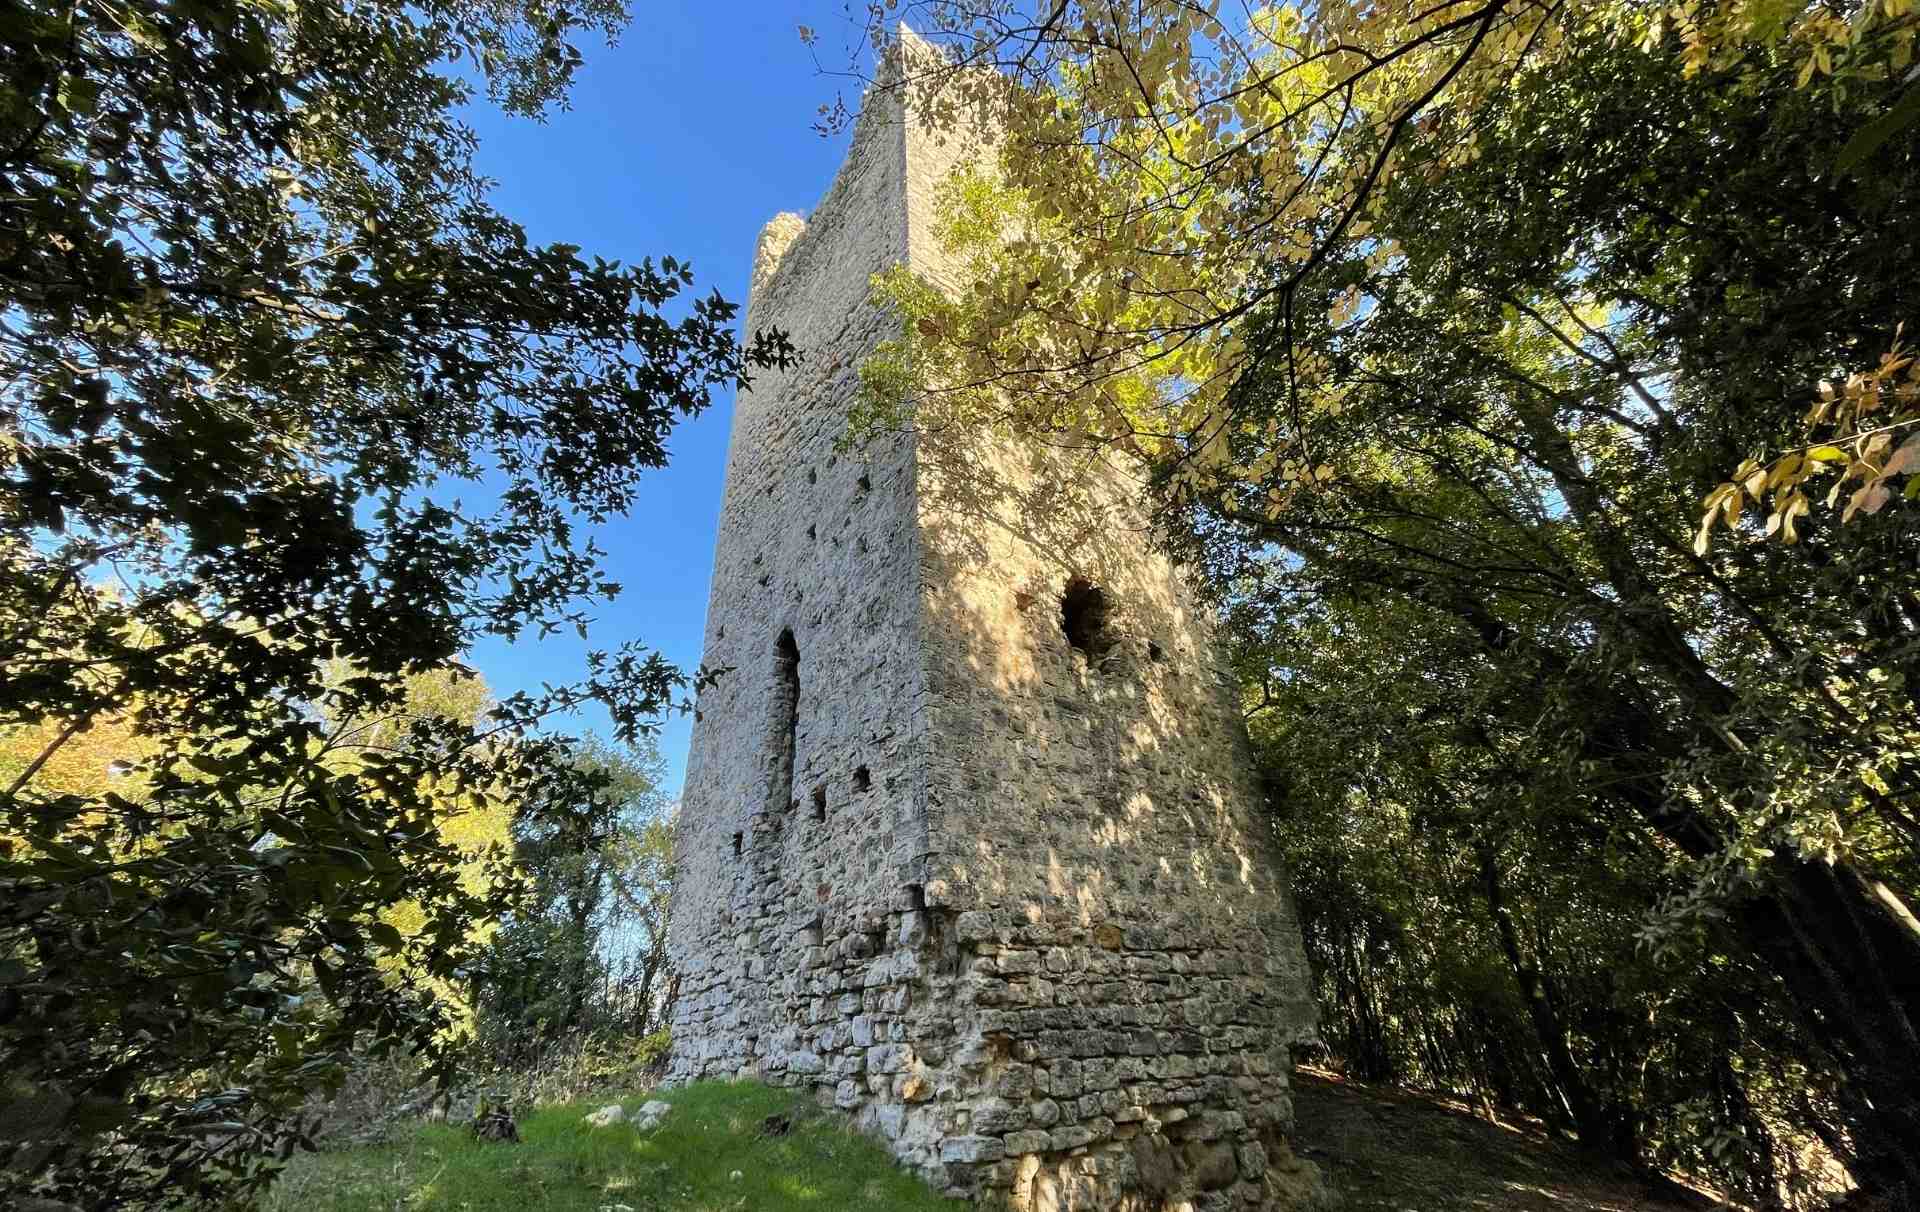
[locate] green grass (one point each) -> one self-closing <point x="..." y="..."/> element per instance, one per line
<point x="562" y="1165"/>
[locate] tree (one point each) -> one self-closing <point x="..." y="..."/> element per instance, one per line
<point x="1475" y="918"/>
<point x="1463" y="308"/>
<point x="259" y="323"/>
<point x="599" y="870"/>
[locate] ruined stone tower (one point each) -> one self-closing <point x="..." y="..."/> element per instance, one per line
<point x="970" y="843"/>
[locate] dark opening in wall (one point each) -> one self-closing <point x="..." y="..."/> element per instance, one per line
<point x="862" y="779"/>
<point x="916" y="897"/>
<point x="785" y="721"/>
<point x="737" y="839"/>
<point x="1155" y="653"/>
<point x="1083" y="616"/>
<point x="810" y="534"/>
<point x="866" y="484"/>
<point x="819" y="803"/>
<point x="813" y="477"/>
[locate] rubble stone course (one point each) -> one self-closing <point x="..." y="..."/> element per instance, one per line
<point x="990" y="877"/>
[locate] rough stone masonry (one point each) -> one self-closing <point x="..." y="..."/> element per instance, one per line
<point x="971" y="844"/>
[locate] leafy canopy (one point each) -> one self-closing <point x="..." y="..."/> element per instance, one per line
<point x="265" y="343"/>
<point x="1440" y="321"/>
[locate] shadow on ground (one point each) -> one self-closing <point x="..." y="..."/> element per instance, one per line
<point x="1396" y="1151"/>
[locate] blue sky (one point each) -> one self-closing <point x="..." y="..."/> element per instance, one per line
<point x="684" y="139"/>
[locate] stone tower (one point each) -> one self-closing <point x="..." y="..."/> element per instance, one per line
<point x="970" y="844"/>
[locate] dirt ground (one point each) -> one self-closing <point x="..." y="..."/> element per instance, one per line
<point x="1394" y="1151"/>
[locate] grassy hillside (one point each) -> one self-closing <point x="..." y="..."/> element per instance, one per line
<point x="562" y="1165"/>
<point x="1383" y="1150"/>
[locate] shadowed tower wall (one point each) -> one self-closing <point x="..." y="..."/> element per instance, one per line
<point x="970" y="842"/>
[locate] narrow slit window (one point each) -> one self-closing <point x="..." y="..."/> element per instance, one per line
<point x="783" y="727"/>
<point x="819" y="803"/>
<point x="737" y="839"/>
<point x="862" y="779"/>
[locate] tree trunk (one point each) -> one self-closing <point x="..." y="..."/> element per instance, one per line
<point x="1597" y="1127"/>
<point x="1853" y="969"/>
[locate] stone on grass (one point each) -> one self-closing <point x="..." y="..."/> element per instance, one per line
<point x="648" y="1117"/>
<point x="608" y="1115"/>
<point x="495" y="1124"/>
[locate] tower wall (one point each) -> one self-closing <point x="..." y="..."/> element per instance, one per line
<point x="825" y="548"/>
<point x="1043" y="947"/>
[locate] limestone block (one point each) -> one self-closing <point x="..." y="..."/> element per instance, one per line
<point x="1253" y="1160"/>
<point x="913" y="1088"/>
<point x="1213" y="1166"/>
<point x="1070" y="1137"/>
<point x="650" y="1114"/>
<point x="972" y="1149"/>
<point x="805" y="1062"/>
<point x="1027" y="1140"/>
<point x="997" y="1116"/>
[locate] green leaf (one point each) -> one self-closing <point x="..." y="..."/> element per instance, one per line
<point x="1868" y="139"/>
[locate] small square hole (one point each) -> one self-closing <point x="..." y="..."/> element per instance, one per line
<point x="862" y="779"/>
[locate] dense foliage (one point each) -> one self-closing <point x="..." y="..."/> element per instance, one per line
<point x="1438" y="325"/>
<point x="583" y="954"/>
<point x="259" y="325"/>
